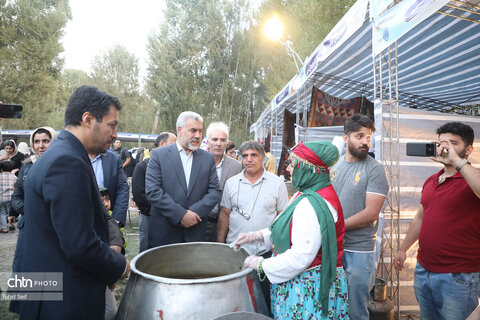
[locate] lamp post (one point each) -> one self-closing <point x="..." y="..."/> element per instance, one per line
<point x="273" y="29"/>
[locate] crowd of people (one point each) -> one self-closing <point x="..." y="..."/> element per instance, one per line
<point x="314" y="253"/>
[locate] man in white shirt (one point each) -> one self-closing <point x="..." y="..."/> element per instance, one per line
<point x="217" y="136"/>
<point x="251" y="201"/>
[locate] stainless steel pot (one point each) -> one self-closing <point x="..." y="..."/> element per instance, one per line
<point x="197" y="280"/>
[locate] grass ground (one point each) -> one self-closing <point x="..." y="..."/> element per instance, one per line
<point x="7" y="248"/>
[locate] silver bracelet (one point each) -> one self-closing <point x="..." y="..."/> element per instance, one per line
<point x="461" y="164"/>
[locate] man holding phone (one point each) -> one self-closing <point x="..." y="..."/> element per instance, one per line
<point x="446" y="226"/>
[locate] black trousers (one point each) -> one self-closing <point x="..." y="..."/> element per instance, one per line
<point x="266" y="285"/>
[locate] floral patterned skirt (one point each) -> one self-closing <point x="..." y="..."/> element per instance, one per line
<point x="296" y="298"/>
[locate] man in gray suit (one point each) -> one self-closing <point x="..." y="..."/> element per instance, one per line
<point x="181" y="185"/>
<point x="217" y="136"/>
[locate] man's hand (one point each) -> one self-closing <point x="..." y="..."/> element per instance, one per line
<point x="127" y="270"/>
<point x="399" y="260"/>
<point x="446" y="154"/>
<point x="190" y="219"/>
<point x="11" y="219"/>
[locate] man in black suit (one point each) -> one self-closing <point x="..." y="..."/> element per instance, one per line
<point x="217" y="136"/>
<point x="181" y="185"/>
<point x="138" y="189"/>
<point x="65" y="222"/>
<point x="107" y="167"/>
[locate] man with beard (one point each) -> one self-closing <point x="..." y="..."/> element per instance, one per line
<point x="446" y="226"/>
<point x="182" y="186"/>
<point x="65" y="222"/>
<point x="362" y="187"/>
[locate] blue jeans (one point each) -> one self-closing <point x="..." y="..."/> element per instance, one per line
<point x="4" y="211"/>
<point x="360" y="270"/>
<point x="445" y="296"/>
<point x="143" y="232"/>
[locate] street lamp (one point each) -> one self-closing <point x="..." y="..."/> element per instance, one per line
<point x="273" y="29"/>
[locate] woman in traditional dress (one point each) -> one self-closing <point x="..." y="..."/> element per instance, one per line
<point x="308" y="280"/>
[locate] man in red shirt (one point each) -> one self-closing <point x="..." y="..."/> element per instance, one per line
<point x="448" y="230"/>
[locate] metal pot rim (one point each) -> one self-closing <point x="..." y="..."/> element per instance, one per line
<point x="231" y="276"/>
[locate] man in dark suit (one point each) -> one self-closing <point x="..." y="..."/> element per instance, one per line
<point x="107" y="167"/>
<point x="181" y="185"/>
<point x="138" y="189"/>
<point x="65" y="222"/>
<point x="217" y="136"/>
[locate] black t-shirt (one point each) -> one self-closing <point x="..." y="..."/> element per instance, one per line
<point x="123" y="153"/>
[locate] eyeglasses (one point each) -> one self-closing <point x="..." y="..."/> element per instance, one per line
<point x="243" y="213"/>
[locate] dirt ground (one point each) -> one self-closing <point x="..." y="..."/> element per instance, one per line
<point x="8" y="242"/>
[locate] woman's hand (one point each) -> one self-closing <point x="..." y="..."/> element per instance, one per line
<point x="246" y="238"/>
<point x="252" y="262"/>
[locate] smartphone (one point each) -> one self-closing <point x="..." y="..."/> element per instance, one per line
<point x="11" y="111"/>
<point x="422" y="149"/>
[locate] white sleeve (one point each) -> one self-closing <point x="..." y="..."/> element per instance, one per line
<point x="266" y="237"/>
<point x="306" y="242"/>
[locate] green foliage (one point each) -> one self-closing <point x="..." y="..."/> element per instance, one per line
<point x="211" y="57"/>
<point x="30" y="63"/>
<point x="117" y="72"/>
<point x="307" y="23"/>
<point x="201" y="60"/>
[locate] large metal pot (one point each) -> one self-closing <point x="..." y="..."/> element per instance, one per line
<point x="197" y="280"/>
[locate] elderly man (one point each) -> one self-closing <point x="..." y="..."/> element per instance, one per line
<point x="217" y="135"/>
<point x="181" y="185"/>
<point x="251" y="200"/>
<point x="138" y="189"/>
<point x="448" y="232"/>
<point x="65" y="221"/>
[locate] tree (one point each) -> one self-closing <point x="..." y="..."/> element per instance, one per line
<point x="116" y="71"/>
<point x="307" y="23"/>
<point x="30" y="63"/>
<point x="201" y="60"/>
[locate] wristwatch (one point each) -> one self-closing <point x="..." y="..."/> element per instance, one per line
<point x="461" y="164"/>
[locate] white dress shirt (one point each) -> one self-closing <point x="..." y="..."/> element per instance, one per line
<point x="186" y="162"/>
<point x="98" y="169"/>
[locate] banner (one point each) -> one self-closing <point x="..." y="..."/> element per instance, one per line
<point x="377" y="7"/>
<point x="396" y="22"/>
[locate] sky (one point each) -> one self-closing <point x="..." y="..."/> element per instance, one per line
<point x="97" y="25"/>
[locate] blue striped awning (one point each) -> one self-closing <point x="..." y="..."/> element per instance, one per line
<point x="438" y="67"/>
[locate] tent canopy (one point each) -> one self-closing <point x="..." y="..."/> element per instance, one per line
<point x="438" y="60"/>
